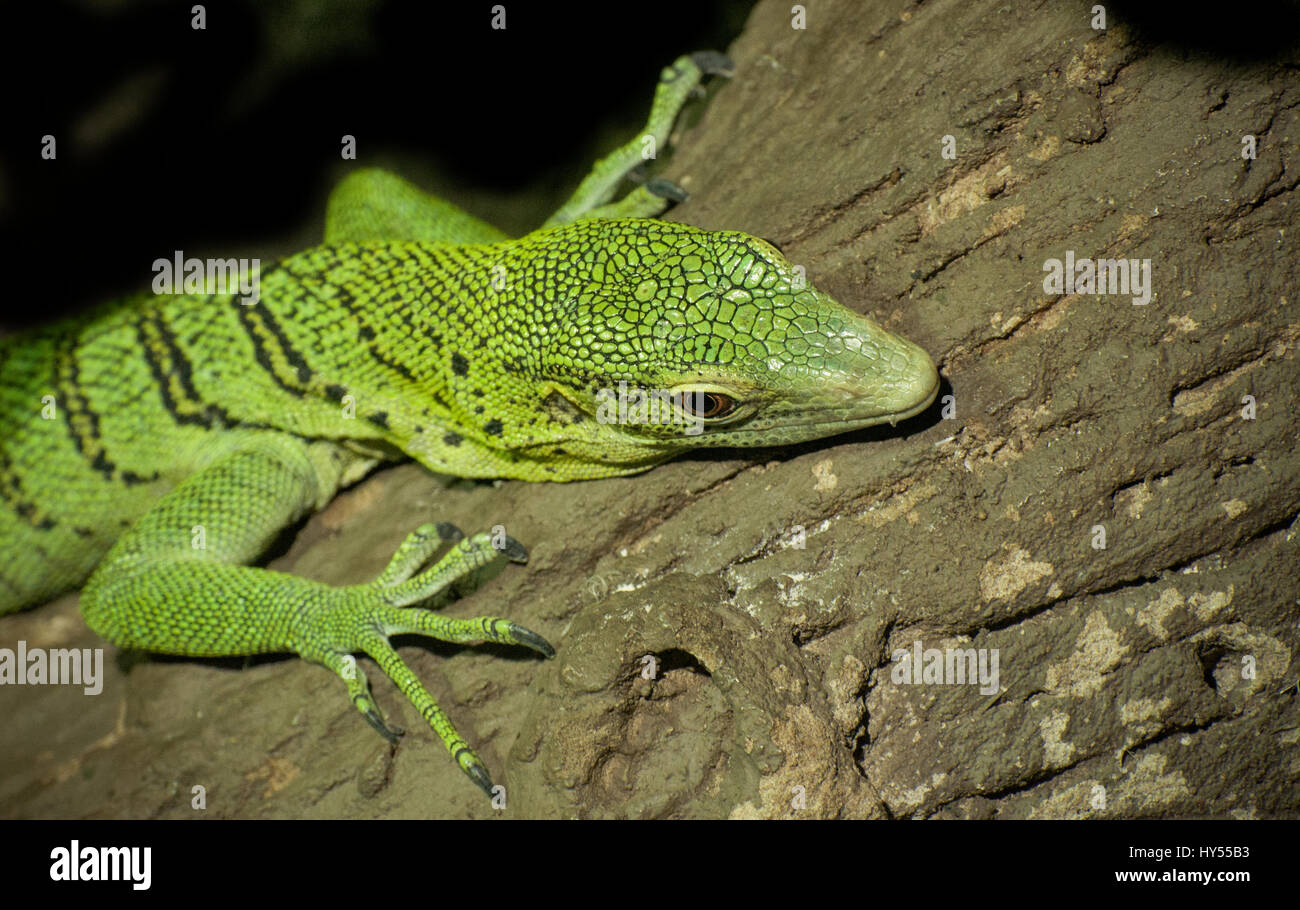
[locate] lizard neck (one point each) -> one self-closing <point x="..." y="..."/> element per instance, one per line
<point x="426" y="348"/>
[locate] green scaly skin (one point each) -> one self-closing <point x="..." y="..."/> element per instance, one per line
<point x="185" y="432"/>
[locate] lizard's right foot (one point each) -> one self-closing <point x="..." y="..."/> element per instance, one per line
<point x="362" y="617"/>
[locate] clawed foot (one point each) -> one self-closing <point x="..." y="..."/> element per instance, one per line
<point x="363" y="617"/>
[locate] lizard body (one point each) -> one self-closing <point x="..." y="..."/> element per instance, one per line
<point x="158" y="445"/>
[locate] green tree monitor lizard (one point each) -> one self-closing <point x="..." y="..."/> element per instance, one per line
<point x="152" y="448"/>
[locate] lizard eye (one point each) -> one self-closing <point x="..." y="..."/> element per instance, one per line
<point x="706" y="404"/>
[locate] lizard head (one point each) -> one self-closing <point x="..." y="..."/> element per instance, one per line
<point x="665" y="337"/>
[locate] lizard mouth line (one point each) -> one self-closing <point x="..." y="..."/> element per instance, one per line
<point x="892" y="418"/>
<point x="913" y="411"/>
<point x="925" y="402"/>
<point x="835" y="426"/>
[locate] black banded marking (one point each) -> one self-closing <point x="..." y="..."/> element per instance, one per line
<point x="80" y="418"/>
<point x="12" y="493"/>
<point x="172" y="373"/>
<point x="291" y="354"/>
<point x="273" y="351"/>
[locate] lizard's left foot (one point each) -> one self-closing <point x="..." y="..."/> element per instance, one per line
<point x="362" y="617"/>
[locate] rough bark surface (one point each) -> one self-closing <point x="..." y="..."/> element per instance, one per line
<point x="1154" y="676"/>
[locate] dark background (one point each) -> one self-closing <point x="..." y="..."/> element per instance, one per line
<point x="225" y="141"/>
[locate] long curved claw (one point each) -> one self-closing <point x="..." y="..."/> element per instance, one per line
<point x="665" y="189"/>
<point x="530" y="639"/>
<point x="714" y="63"/>
<point x="515" y="551"/>
<point x="449" y="532"/>
<point x="392" y="734"/>
<point x="479" y="774"/>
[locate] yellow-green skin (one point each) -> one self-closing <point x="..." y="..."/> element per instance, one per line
<point x="160" y="444"/>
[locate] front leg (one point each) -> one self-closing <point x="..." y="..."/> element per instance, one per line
<point x="173" y="584"/>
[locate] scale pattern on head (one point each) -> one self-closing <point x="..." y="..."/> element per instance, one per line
<point x="673" y="310"/>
